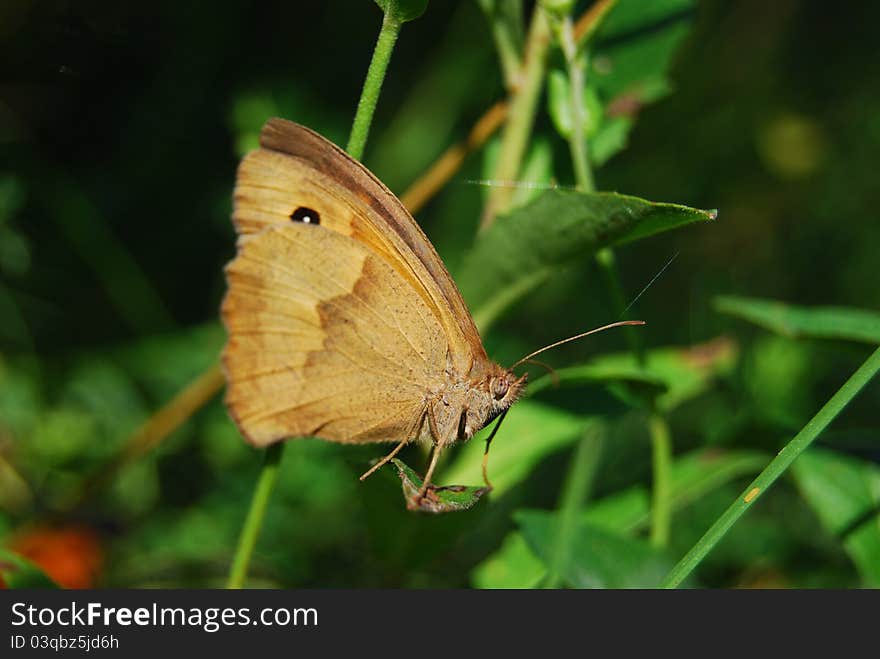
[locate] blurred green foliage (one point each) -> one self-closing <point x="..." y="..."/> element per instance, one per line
<point x="17" y="572"/>
<point x="120" y="130"/>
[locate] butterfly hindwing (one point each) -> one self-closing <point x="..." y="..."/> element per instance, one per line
<point x="325" y="339"/>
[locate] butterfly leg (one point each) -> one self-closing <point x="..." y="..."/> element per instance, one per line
<point x="385" y="460"/>
<point x="443" y="420"/>
<point x="435" y="455"/>
<point x="406" y="438"/>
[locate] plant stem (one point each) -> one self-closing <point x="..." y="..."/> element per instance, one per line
<point x="577" y="141"/>
<point x="506" y="21"/>
<point x="577" y="487"/>
<point x="360" y="128"/>
<point x="774" y="470"/>
<point x="521" y="116"/>
<point x="254" y="520"/>
<point x="567" y="36"/>
<point x="661" y="506"/>
<point x="590" y="20"/>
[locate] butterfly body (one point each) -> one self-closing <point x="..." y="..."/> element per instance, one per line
<point x="343" y="322"/>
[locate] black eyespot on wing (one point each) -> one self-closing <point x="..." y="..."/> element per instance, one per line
<point x="306" y="216"/>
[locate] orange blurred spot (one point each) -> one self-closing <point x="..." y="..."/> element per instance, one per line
<point x="71" y="556"/>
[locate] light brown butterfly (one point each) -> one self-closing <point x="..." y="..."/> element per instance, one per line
<point x="343" y="322"/>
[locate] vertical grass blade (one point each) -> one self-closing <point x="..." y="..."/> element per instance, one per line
<point x="254" y="522"/>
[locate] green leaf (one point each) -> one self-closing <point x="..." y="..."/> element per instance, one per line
<point x="610" y="138"/>
<point x="634" y="49"/>
<point x="523" y="248"/>
<point x="436" y="499"/>
<point x="18" y="572"/>
<point x="514" y="565"/>
<point x="403" y="10"/>
<point x="635" y="45"/>
<point x="531" y="432"/>
<point x="693" y="476"/>
<point x="845" y="493"/>
<point x="15" y="493"/>
<point x="12" y="196"/>
<point x="559" y="105"/>
<point x="805" y="322"/>
<point x="770" y="367"/>
<point x="637" y="380"/>
<point x="597" y="558"/>
<point x="669" y="376"/>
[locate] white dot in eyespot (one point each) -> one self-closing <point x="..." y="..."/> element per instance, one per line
<point x="306" y="215"/>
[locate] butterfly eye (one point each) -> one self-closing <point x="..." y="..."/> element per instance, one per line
<point x="499" y="388"/>
<point x="306" y="216"/>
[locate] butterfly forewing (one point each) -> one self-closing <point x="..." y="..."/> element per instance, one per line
<point x="297" y="168"/>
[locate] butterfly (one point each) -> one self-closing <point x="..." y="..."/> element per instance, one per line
<point x="342" y="321"/>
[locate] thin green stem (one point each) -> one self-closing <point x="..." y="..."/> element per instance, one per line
<point x="247" y="540"/>
<point x="506" y="21"/>
<point x="575" y="492"/>
<point x="577" y="143"/>
<point x="661" y="506"/>
<point x="520" y="117"/>
<point x="357" y="140"/>
<point x="774" y="470"/>
<point x="360" y="128"/>
<point x="577" y="140"/>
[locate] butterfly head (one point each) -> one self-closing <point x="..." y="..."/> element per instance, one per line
<point x="491" y="393"/>
<point x="505" y="388"/>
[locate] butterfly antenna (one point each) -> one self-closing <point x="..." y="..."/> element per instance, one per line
<point x="619" y="323"/>
<point x="488" y="442"/>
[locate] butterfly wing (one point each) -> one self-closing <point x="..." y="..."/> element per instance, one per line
<point x="326" y="338"/>
<point x="297" y="168"/>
